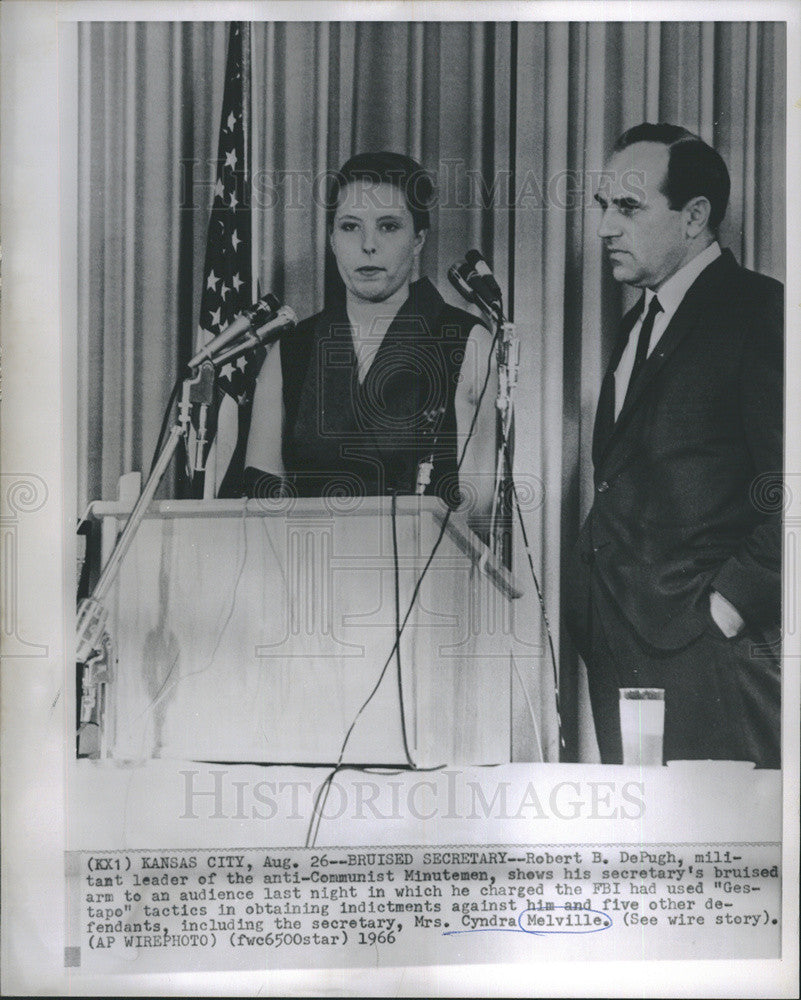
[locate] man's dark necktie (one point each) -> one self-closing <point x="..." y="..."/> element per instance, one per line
<point x="643" y="341"/>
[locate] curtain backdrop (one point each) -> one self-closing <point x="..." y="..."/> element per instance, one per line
<point x="513" y="118"/>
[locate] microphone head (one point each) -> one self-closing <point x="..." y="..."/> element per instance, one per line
<point x="473" y="257"/>
<point x="456" y="278"/>
<point x="279" y="322"/>
<point x="266" y="307"/>
<point x="483" y="270"/>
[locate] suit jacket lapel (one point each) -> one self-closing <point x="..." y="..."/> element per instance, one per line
<point x="687" y="318"/>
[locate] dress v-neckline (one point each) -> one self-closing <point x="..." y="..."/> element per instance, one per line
<point x="365" y="361"/>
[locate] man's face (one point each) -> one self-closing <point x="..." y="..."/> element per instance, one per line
<point x="374" y="241"/>
<point x="644" y="237"/>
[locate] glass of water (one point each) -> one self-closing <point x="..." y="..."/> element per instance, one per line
<point x="642" y="725"/>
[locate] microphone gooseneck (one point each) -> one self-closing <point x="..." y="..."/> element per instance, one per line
<point x="249" y="319"/>
<point x="283" y="320"/>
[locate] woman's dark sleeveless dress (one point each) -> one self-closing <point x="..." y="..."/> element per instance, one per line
<point x="348" y="438"/>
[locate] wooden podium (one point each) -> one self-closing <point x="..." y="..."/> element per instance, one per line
<point x="255" y="631"/>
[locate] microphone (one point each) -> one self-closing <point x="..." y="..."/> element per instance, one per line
<point x="474" y="281"/>
<point x="482" y="280"/>
<point x="268" y="333"/>
<point x="246" y="321"/>
<point x="458" y="281"/>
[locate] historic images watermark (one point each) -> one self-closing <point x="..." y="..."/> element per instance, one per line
<point x="458" y="187"/>
<point x="219" y="794"/>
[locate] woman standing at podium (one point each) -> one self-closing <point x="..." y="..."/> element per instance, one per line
<point x="382" y="391"/>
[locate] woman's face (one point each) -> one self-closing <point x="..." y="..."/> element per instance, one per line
<point x="373" y="240"/>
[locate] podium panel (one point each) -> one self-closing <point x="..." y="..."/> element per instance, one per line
<point x="263" y="631"/>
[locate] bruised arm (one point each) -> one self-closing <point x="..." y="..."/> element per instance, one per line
<point x="477" y="473"/>
<point x="264" y="448"/>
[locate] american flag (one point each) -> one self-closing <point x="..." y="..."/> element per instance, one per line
<point x="227" y="280"/>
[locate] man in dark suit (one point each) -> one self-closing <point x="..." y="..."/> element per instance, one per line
<point x="675" y="581"/>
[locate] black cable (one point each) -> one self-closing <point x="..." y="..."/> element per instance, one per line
<point x="310" y="840"/>
<point x="435" y="547"/>
<point x="165" y="421"/>
<point x="537" y="587"/>
<point x="325" y="787"/>
<point x="317" y="809"/>
<point x="396" y="561"/>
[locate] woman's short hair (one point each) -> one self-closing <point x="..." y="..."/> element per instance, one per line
<point x="694" y="167"/>
<point x="402" y="172"/>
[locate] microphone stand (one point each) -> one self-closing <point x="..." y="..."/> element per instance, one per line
<point x="425" y="467"/>
<point x="94" y="645"/>
<point x="265" y="318"/>
<point x="201" y="394"/>
<point x="508" y="356"/>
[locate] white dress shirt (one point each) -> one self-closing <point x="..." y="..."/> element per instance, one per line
<point x="670" y="296"/>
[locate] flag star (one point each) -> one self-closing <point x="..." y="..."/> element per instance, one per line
<point x="215" y="318"/>
<point x="219" y="188"/>
<point x="227" y="370"/>
<point x="234" y="201"/>
<point x="231" y="121"/>
<point x="230" y="159"/>
<point x="211" y="281"/>
<point x="241" y="364"/>
<point x="237" y="282"/>
<point x="235" y="240"/>
<point x="224" y="290"/>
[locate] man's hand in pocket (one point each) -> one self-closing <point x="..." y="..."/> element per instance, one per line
<point x="725" y="615"/>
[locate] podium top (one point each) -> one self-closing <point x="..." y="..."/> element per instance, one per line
<point x="312" y="508"/>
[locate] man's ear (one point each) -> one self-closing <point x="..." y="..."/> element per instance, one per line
<point x="419" y="241"/>
<point x="696" y="215"/>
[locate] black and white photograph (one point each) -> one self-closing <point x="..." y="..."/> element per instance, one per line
<point x="400" y="498"/>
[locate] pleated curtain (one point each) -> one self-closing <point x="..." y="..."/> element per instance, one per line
<point x="514" y="119"/>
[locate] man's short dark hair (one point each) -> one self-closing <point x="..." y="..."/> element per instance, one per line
<point x="402" y="172"/>
<point x="695" y="169"/>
